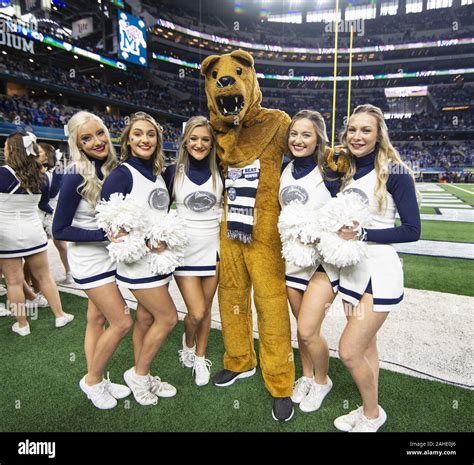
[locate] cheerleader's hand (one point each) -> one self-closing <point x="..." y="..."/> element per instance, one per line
<point x="116" y="239"/>
<point x="350" y="233"/>
<point x="160" y="246"/>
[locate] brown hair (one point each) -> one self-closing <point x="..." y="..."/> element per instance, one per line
<point x="28" y="169"/>
<point x="50" y="152"/>
<point x="321" y="137"/>
<point x="126" y="151"/>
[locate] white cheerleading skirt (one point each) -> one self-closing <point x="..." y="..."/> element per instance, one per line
<point x="382" y="268"/>
<point x="138" y="275"/>
<point x="90" y="264"/>
<point x="202" y="253"/>
<point x="298" y="278"/>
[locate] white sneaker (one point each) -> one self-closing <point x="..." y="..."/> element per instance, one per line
<point x="187" y="354"/>
<point x="38" y="301"/>
<point x="23" y="331"/>
<point x="161" y="388"/>
<point x="347" y="422"/>
<point x="98" y="394"/>
<point x="117" y="391"/>
<point x="4" y="311"/>
<point x="315" y="396"/>
<point x="3" y="291"/>
<point x="201" y="370"/>
<point x="141" y="387"/>
<point x="301" y="389"/>
<point x="64" y="320"/>
<point x="68" y="280"/>
<point x="370" y="425"/>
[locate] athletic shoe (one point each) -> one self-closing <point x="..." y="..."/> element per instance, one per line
<point x="98" y="394"/>
<point x="64" y="320"/>
<point x="315" y="396"/>
<point x="347" y="422"/>
<point x="67" y="281"/>
<point x="3" y="291"/>
<point x="226" y="377"/>
<point x="187" y="354"/>
<point x="141" y="387"/>
<point x="38" y="301"/>
<point x="117" y="391"/>
<point x="201" y="370"/>
<point x="301" y="389"/>
<point x="282" y="409"/>
<point x="161" y="388"/>
<point x="4" y="311"/>
<point x="23" y="331"/>
<point x="370" y="425"/>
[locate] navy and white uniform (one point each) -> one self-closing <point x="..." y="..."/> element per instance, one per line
<point x="74" y="221"/>
<point x="135" y="177"/>
<point x="199" y="204"/>
<point x="21" y="231"/>
<point x="54" y="183"/>
<point x="302" y="181"/>
<point x="381" y="272"/>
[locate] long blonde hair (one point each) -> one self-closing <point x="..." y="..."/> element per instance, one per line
<point x="90" y="188"/>
<point x="126" y="151"/>
<point x="182" y="162"/>
<point x="385" y="156"/>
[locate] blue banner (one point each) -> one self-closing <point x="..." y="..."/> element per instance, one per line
<point x="132" y="39"/>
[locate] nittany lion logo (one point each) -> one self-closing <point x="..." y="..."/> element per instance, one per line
<point x="293" y="194"/>
<point x="159" y="199"/>
<point x="360" y="193"/>
<point x="200" y="201"/>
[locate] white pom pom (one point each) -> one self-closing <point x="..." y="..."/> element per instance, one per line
<point x="302" y="255"/>
<point x="172" y="230"/>
<point x="343" y="210"/>
<point x="298" y="230"/>
<point x="121" y="213"/>
<point x="132" y="249"/>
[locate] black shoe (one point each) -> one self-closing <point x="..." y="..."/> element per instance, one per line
<point x="282" y="409"/>
<point x="226" y="377"/>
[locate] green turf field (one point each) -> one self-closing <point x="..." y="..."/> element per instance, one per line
<point x="458" y="190"/>
<point x="450" y="275"/>
<point x="451" y="231"/>
<point x="40" y="392"/>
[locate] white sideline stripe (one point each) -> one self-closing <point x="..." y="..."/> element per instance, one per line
<point x="452" y="213"/>
<point x="438" y="249"/>
<point x="430" y="217"/>
<point x="442" y="201"/>
<point x="461" y="189"/>
<point x="451" y="207"/>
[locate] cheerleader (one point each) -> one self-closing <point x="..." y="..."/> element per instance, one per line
<point x="49" y="157"/>
<point x="22" y="188"/>
<point x="140" y="176"/>
<point x="310" y="290"/>
<point x="373" y="287"/>
<point x="74" y="221"/>
<point x="194" y="182"/>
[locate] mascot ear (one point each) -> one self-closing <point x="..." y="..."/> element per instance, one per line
<point x="243" y="56"/>
<point x="208" y="62"/>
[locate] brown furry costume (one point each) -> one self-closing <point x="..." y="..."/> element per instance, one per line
<point x="244" y="135"/>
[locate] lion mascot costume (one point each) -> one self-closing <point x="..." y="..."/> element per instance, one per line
<point x="251" y="141"/>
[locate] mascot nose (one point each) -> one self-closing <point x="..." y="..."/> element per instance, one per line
<point x="225" y="81"/>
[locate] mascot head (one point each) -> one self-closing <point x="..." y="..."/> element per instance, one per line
<point x="232" y="89"/>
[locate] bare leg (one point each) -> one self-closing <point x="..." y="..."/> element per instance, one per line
<point x="318" y="297"/>
<point x="358" y="337"/>
<point x="158" y="302"/>
<point x="13" y="270"/>
<point x="295" y="297"/>
<point x="62" y="249"/>
<point x="143" y="321"/>
<point x="108" y="300"/>
<point x="94" y="330"/>
<point x="39" y="267"/>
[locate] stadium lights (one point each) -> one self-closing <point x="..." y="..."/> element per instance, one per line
<point x="360" y="77"/>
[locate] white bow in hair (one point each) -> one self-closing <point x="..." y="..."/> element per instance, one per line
<point x="66" y="131"/>
<point x="28" y="142"/>
<point x="58" y="154"/>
